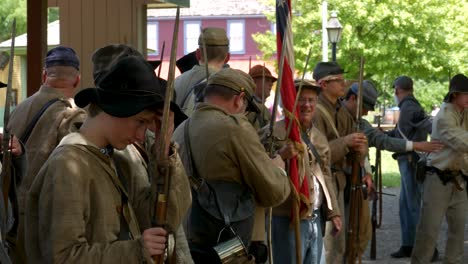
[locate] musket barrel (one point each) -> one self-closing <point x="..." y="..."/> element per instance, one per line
<point x="163" y="148"/>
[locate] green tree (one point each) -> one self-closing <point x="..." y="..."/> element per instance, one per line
<point x="424" y="39"/>
<point x="10" y="9"/>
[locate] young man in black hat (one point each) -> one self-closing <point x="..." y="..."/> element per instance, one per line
<point x="332" y="119"/>
<point x="413" y="125"/>
<point x="77" y="208"/>
<point x="444" y="189"/>
<point x="136" y="159"/>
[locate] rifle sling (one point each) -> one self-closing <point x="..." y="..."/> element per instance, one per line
<point x="311" y="146"/>
<point x="329" y="119"/>
<point x="124" y="233"/>
<point x="24" y="138"/>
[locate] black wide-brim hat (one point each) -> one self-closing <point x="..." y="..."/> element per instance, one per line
<point x="179" y="115"/>
<point x="126" y="90"/>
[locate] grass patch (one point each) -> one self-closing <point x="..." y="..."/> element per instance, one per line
<point x="390" y="171"/>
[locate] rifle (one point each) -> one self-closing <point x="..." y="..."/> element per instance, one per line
<point x="162" y="57"/>
<point x="378" y="196"/>
<point x="162" y="150"/>
<point x="356" y="193"/>
<point x="7" y="181"/>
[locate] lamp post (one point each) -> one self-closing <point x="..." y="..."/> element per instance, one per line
<point x="334" y="29"/>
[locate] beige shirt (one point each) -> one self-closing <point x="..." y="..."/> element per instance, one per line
<point x="316" y="173"/>
<point x="74" y="209"/>
<point x="227" y="147"/>
<point x="451" y="128"/>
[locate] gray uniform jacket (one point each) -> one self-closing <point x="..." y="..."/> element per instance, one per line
<point x="183" y="87"/>
<point x="380" y="140"/>
<point x="413" y="121"/>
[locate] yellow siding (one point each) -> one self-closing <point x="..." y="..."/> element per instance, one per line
<point x="16" y="80"/>
<point x="86" y="25"/>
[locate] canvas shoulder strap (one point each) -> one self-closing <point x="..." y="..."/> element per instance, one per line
<point x="27" y="132"/>
<point x="329" y="119"/>
<point x="311" y="146"/>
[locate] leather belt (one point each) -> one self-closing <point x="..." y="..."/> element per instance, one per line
<point x="447" y="176"/>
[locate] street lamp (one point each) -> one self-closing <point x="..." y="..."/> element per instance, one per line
<point x="334" y="29"/>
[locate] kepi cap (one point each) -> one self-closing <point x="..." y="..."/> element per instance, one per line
<point x="236" y="80"/>
<point x="213" y="36"/>
<point x="257" y="72"/>
<point x="325" y="71"/>
<point x="2" y="85"/>
<point x="403" y="82"/>
<point x="369" y="94"/>
<point x="62" y="56"/>
<point x="129" y="88"/>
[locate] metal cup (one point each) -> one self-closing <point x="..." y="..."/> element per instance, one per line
<point x="233" y="251"/>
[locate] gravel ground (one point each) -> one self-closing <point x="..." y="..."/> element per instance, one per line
<point x="388" y="236"/>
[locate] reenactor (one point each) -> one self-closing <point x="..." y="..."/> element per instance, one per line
<point x="263" y="83"/>
<point x="444" y="188"/>
<point x="136" y="159"/>
<point x="377" y="138"/>
<point x="229" y="169"/>
<point x="77" y="207"/>
<point x="217" y="55"/>
<point x="413" y="125"/>
<point x="315" y="164"/>
<point x="43" y="119"/>
<point x="335" y="123"/>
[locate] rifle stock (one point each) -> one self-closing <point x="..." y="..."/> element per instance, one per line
<point x="162" y="151"/>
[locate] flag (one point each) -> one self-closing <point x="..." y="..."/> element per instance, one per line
<point x="288" y="95"/>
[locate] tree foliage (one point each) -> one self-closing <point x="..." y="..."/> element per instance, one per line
<point x="10" y="9"/>
<point x="424" y="39"/>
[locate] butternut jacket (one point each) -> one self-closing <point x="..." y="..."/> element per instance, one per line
<point x="259" y="120"/>
<point x="344" y="124"/>
<point x="227" y="147"/>
<point x="75" y="205"/>
<point x="308" y="166"/>
<point x="56" y="122"/>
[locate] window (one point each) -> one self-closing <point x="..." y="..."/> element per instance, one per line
<point x="152" y="40"/>
<point x="191" y="34"/>
<point x="236" y="35"/>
